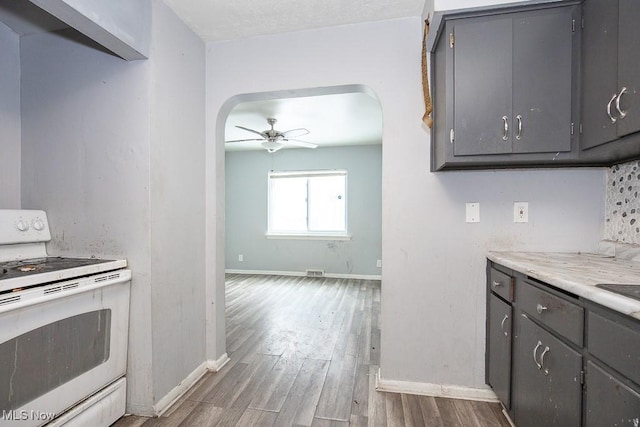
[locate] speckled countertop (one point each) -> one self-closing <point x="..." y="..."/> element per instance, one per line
<point x="578" y="273"/>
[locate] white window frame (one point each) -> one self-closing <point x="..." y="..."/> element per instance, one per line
<point x="308" y="235"/>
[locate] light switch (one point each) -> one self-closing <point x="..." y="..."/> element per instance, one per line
<point x="473" y="212"/>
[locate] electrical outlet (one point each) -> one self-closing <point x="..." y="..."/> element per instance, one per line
<point x="240" y="257"/>
<point x="520" y="212"/>
<point x="473" y="212"/>
<point x="379" y="263"/>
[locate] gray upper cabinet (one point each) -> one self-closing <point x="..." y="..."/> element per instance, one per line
<point x="504" y="86"/>
<point x="610" y="74"/>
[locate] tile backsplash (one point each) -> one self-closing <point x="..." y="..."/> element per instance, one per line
<point x="622" y="210"/>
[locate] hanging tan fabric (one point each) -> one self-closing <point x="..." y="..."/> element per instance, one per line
<point x="427" y="119"/>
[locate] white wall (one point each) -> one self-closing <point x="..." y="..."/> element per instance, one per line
<point x="462" y="4"/>
<point x="113" y="150"/>
<point x="85" y="127"/>
<point x="177" y="199"/>
<point x="433" y="303"/>
<point x="247" y="207"/>
<point x="10" y="133"/>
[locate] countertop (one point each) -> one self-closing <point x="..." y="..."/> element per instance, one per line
<point x="578" y="273"/>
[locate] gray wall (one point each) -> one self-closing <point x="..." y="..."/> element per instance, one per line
<point x="246" y="212"/>
<point x="433" y="275"/>
<point x="113" y="151"/>
<point x="10" y="133"/>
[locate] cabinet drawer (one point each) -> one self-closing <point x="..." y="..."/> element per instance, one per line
<point x="501" y="284"/>
<point x="615" y="344"/>
<point x="564" y="317"/>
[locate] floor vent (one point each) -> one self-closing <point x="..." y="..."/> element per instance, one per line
<point x="315" y="273"/>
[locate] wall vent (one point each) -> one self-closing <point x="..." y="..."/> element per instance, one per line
<point x="315" y="273"/>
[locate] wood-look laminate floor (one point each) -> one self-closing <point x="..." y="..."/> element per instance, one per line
<point x="304" y="352"/>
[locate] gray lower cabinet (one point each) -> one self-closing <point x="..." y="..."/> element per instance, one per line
<point x="546" y="385"/>
<point x="509" y="86"/>
<point x="499" y="349"/>
<point x="611" y="79"/>
<point x="556" y="360"/>
<point x="609" y="400"/>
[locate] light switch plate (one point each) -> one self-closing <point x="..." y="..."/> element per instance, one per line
<point x="473" y="212"/>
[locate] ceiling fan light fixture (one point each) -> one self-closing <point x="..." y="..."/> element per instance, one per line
<point x="272" y="146"/>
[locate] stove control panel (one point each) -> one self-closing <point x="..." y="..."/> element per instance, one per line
<point x="23" y="226"/>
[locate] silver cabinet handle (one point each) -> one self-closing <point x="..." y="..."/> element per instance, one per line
<point x="613" y="98"/>
<point x="620" y="112"/>
<point x="545" y="351"/>
<point x="496" y="284"/>
<point x="505" y="135"/>
<point x="519" y="120"/>
<point x="535" y="350"/>
<point x="540" y="308"/>
<point x="506" y="316"/>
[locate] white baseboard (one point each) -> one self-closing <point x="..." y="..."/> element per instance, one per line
<point x="304" y="274"/>
<point x="216" y="365"/>
<point x="435" y="390"/>
<point x="178" y="391"/>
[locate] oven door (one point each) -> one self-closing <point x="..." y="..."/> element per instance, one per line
<point x="60" y="344"/>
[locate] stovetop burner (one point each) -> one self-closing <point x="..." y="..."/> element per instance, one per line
<point x="631" y="291"/>
<point x="12" y="269"/>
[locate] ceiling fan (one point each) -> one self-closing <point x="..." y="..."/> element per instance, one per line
<point x="273" y="140"/>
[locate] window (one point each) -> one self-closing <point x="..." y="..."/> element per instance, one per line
<point x="308" y="203"/>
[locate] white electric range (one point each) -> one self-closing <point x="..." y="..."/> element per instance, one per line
<point x="63" y="330"/>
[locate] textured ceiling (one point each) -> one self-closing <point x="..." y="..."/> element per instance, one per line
<point x="216" y="20"/>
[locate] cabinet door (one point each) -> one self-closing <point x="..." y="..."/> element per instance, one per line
<point x="499" y="347"/>
<point x="546" y="386"/>
<point x="609" y="402"/>
<point x="599" y="71"/>
<point x="629" y="66"/>
<point x="542" y="81"/>
<point x="482" y="86"/>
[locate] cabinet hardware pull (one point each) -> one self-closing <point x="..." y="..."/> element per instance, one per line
<point x="545" y="351"/>
<point x="496" y="284"/>
<point x="505" y="120"/>
<point x="613" y="98"/>
<point x="506" y="316"/>
<point x="540" y="308"/>
<point x="535" y="350"/>
<point x="620" y="112"/>
<point x="519" y="120"/>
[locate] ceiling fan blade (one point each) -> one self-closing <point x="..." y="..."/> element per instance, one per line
<point x="262" y="134"/>
<point x="243" y="140"/>
<point x="298" y="143"/>
<point x="294" y="133"/>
